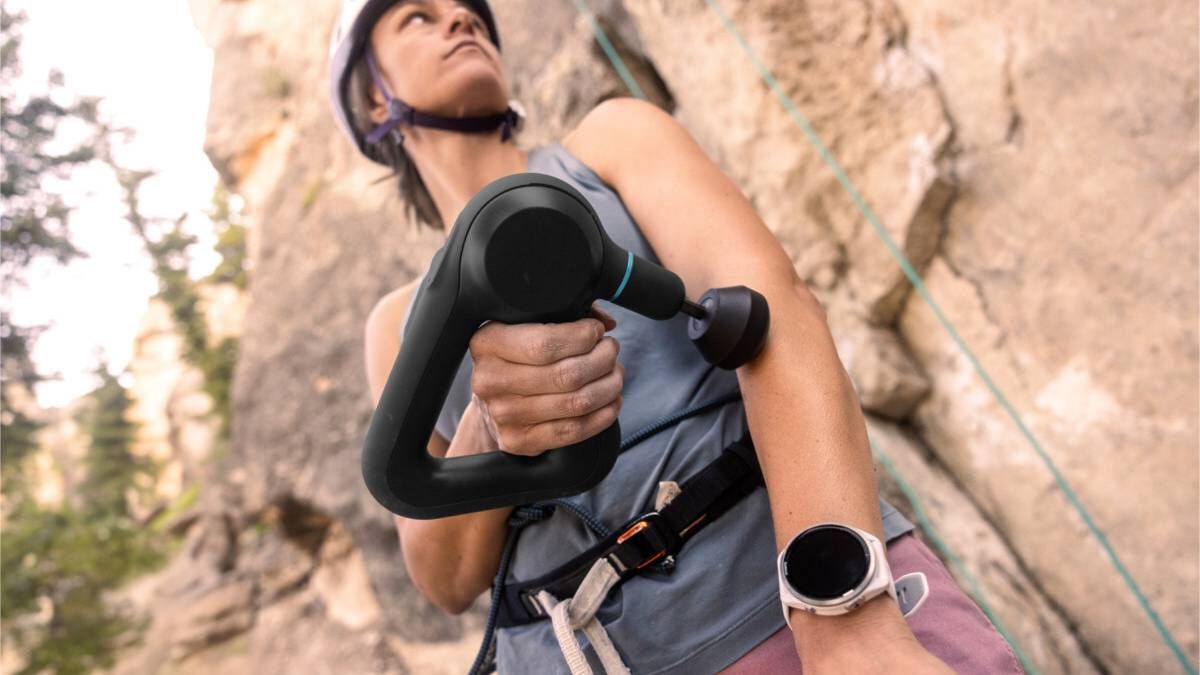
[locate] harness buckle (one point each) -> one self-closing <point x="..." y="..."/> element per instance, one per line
<point x="643" y="542"/>
<point x="532" y="604"/>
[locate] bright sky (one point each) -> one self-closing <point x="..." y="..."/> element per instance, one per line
<point x="147" y="61"/>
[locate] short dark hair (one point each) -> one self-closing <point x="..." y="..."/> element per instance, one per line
<point x="417" y="200"/>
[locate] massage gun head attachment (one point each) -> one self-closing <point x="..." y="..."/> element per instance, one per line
<point x="728" y="325"/>
<point x="693" y="310"/>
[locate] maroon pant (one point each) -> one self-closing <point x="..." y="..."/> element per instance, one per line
<point x="948" y="623"/>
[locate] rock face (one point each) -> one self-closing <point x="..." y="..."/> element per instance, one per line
<point x="1035" y="161"/>
<point x="1007" y="149"/>
<point x="1070" y="265"/>
<point x="283" y="590"/>
<point x="169" y="408"/>
<point x="174" y="414"/>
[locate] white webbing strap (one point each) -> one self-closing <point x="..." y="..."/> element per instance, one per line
<point x="579" y="612"/>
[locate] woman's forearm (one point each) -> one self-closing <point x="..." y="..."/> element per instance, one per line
<point x="811" y="440"/>
<point x="452" y="560"/>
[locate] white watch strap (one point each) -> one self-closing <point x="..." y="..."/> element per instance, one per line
<point x="909" y="591"/>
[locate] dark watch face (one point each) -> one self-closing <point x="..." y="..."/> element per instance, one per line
<point x="826" y="561"/>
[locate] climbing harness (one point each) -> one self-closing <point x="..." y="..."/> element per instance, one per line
<point x="571" y="593"/>
<point x="644" y="539"/>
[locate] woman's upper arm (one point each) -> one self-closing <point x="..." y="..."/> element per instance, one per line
<point x="382" y="339"/>
<point x="382" y="343"/>
<point x="699" y="223"/>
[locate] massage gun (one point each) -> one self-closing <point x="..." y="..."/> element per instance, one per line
<point x="528" y="247"/>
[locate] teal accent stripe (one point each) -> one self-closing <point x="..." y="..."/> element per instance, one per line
<point x="628" y="272"/>
<point x="917" y="283"/>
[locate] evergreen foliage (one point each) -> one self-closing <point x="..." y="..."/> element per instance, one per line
<point x="59" y="564"/>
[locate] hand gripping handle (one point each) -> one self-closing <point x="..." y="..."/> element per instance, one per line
<point x="526" y="248"/>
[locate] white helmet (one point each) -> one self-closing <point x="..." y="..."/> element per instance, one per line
<point x="350" y="41"/>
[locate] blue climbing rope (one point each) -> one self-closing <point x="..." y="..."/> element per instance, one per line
<point x="520" y="517"/>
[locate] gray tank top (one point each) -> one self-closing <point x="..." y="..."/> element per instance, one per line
<point x="723" y="597"/>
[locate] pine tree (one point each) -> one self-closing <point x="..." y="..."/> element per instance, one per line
<point x="111" y="471"/>
<point x="35" y="221"/>
<point x="57" y="564"/>
<point x="63" y="561"/>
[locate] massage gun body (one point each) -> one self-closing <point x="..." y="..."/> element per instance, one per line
<point x="526" y="248"/>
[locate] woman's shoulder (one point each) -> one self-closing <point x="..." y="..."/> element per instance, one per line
<point x="382" y="335"/>
<point x="597" y="139"/>
<point x="404" y="295"/>
<point x="391" y="308"/>
<point x="591" y="140"/>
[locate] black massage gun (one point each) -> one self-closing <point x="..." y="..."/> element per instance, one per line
<point x="526" y="248"/>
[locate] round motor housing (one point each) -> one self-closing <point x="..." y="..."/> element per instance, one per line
<point x="734" y="328"/>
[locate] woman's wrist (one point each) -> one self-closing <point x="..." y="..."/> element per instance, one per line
<point x="473" y="436"/>
<point x="874" y="626"/>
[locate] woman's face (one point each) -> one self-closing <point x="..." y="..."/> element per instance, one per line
<point x="416" y="45"/>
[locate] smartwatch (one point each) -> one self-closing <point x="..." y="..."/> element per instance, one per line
<point x="831" y="569"/>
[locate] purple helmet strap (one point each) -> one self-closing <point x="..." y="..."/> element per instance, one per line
<point x="399" y="111"/>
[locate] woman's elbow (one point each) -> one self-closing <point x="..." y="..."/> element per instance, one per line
<point x="450" y="602"/>
<point x="443" y="595"/>
<point x="460" y="595"/>
<point x="808" y="298"/>
<point x="457" y="607"/>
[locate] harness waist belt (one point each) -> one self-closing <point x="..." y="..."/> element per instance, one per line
<point x="653" y="537"/>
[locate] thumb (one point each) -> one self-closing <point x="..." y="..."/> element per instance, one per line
<point x="605" y="317"/>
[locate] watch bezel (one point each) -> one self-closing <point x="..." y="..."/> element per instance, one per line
<point x="848" y="596"/>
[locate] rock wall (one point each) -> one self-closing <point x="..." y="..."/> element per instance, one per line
<point x="169" y="407"/>
<point x="1070" y="264"/>
<point x="1036" y="161"/>
<point x="177" y="426"/>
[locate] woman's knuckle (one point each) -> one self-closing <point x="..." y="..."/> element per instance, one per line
<point x="568" y="405"/>
<point x="510" y="440"/>
<point x="499" y="410"/>
<point x="580" y="402"/>
<point x="565" y="431"/>
<point x="548" y="345"/>
<point x="603" y="418"/>
<point x="479" y="341"/>
<point x="614" y="345"/>
<point x="566" y="375"/>
<point x="613" y="407"/>
<point x="479" y="381"/>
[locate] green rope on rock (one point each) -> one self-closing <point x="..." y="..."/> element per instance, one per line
<point x="912" y="275"/>
<point x="930" y="531"/>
